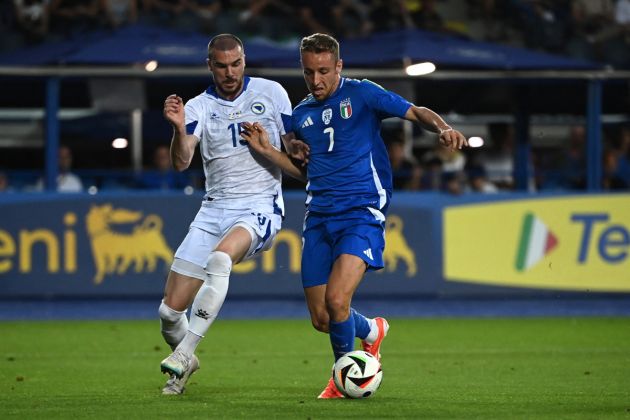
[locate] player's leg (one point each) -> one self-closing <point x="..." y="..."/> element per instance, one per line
<point x="370" y="331"/>
<point x="186" y="277"/>
<point x="345" y="276"/>
<point x="361" y="236"/>
<point x="246" y="234"/>
<point x="345" y="322"/>
<point x="185" y="280"/>
<point x="210" y="297"/>
<point x="316" y="303"/>
<point x="179" y="293"/>
<point x="335" y="307"/>
<point x="316" y="266"/>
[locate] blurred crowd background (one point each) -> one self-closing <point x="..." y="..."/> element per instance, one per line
<point x="594" y="30"/>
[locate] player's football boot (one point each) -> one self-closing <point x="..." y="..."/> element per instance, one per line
<point x="175" y="386"/>
<point x="176" y="364"/>
<point x="330" y="391"/>
<point x="374" y="348"/>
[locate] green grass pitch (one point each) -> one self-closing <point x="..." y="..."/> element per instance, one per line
<point x="521" y="368"/>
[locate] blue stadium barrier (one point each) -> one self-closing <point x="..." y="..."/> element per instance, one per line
<point x="120" y="245"/>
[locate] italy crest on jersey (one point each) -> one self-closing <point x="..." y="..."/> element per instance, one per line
<point x="345" y="108"/>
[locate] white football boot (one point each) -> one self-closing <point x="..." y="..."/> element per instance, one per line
<point x="175" y="385"/>
<point x="176" y="364"/>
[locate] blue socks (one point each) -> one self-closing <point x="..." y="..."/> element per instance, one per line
<point x="342" y="333"/>
<point x="361" y="324"/>
<point x="342" y="336"/>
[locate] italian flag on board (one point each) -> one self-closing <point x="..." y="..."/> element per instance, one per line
<point x="536" y="242"/>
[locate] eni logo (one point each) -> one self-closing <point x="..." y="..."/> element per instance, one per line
<point x="396" y="247"/>
<point x="114" y="252"/>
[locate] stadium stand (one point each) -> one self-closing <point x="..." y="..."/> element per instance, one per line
<point x="59" y="32"/>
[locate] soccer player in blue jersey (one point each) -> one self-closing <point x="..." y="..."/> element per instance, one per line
<point x="349" y="187"/>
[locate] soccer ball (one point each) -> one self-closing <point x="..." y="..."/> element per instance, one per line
<point x="357" y="374"/>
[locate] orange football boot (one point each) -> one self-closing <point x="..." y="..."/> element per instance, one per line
<point x="374" y="349"/>
<point x="330" y="391"/>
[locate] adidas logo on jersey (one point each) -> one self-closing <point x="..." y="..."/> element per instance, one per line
<point x="368" y="253"/>
<point x="307" y="123"/>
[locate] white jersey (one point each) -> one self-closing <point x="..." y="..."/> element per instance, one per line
<point x="236" y="178"/>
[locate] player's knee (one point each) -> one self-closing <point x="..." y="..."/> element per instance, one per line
<point x="169" y="314"/>
<point x="338" y="306"/>
<point x="218" y="264"/>
<point x="320" y="322"/>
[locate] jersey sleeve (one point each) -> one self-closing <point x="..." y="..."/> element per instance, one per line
<point x="193" y="117"/>
<point x="384" y="102"/>
<point x="283" y="109"/>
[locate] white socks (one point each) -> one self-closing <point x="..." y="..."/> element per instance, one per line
<point x="174" y="324"/>
<point x="208" y="301"/>
<point x="373" y="335"/>
<point x="189" y="344"/>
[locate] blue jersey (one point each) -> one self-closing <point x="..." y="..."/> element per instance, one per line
<point x="348" y="164"/>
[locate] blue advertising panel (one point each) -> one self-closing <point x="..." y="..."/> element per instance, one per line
<point x="121" y="245"/>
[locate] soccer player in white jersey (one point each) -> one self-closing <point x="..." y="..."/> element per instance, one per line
<point x="349" y="189"/>
<point x="242" y="209"/>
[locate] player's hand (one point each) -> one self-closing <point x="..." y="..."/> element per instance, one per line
<point x="299" y="150"/>
<point x="257" y="137"/>
<point x="452" y="139"/>
<point x="174" y="110"/>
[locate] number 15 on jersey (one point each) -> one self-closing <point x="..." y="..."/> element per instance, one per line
<point x="236" y="130"/>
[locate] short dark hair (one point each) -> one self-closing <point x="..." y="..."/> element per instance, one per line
<point x="319" y="43"/>
<point x="224" y="42"/>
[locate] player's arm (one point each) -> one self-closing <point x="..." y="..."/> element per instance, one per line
<point x="431" y="121"/>
<point x="258" y="139"/>
<point x="182" y="144"/>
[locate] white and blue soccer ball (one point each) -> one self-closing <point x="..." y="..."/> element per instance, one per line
<point x="357" y="374"/>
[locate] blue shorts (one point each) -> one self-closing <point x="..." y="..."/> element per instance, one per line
<point x="359" y="232"/>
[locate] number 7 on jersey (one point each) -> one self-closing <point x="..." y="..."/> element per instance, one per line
<point x="331" y="137"/>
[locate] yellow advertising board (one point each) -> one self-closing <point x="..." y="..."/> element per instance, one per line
<point x="579" y="243"/>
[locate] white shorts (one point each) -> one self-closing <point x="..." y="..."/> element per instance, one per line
<point x="212" y="224"/>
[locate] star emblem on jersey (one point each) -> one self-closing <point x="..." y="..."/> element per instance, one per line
<point x="307" y="122"/>
<point x="345" y="108"/>
<point x="258" y="108"/>
<point x="327" y="115"/>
